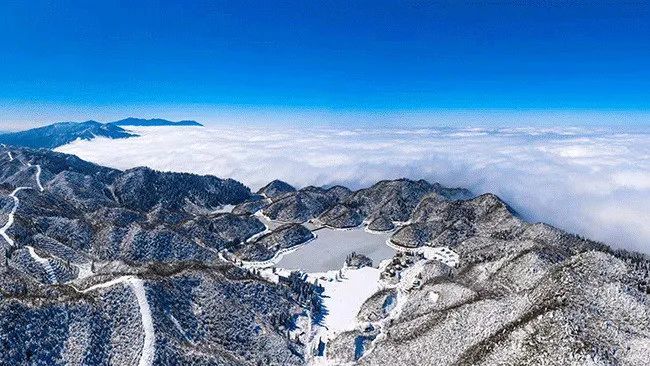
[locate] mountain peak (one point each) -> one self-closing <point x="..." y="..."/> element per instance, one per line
<point x="62" y="133"/>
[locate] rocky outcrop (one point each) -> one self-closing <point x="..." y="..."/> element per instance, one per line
<point x="275" y="189"/>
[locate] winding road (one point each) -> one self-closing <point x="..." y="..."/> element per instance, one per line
<point x="51" y="275"/>
<point x="137" y="285"/>
<point x="10" y="218"/>
<point x="149" y="344"/>
<point x="38" y="176"/>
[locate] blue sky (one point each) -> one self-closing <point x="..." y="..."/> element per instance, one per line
<point x="178" y="59"/>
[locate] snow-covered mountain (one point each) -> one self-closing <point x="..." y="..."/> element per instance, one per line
<point x="62" y="133"/>
<point x="140" y="267"/>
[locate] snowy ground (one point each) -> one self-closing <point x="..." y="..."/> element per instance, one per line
<point x="270" y="224"/>
<point x="38" y="176"/>
<point x="224" y="209"/>
<point x="345" y="294"/>
<point x="107" y="284"/>
<point x="148" y="345"/>
<point x="345" y="289"/>
<point x="84" y="268"/>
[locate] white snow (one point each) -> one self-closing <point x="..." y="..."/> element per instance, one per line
<point x="51" y="275"/>
<point x="38" y="176"/>
<point x="258" y="235"/>
<point x="343" y="297"/>
<point x="106" y="284"/>
<point x="148" y="347"/>
<point x="273" y="274"/>
<point x="85" y="270"/>
<point x="10" y="218"/>
<point x="434" y="296"/>
<point x="179" y="327"/>
<point x="224" y="209"/>
<point x="11" y="157"/>
<point x="136" y="285"/>
<point x="403" y="288"/>
<point x="442" y="254"/>
<point x="270" y="224"/>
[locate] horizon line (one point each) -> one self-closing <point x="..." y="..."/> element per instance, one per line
<point x="432" y="117"/>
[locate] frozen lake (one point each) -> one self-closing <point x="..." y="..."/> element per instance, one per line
<point x="329" y="250"/>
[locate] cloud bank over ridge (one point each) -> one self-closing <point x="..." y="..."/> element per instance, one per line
<point x="594" y="182"/>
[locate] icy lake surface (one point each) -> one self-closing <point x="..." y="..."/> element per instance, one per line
<point x="330" y="248"/>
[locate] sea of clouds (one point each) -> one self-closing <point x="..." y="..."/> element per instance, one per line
<point x="590" y="181"/>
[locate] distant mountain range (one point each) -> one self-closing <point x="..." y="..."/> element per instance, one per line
<point x="62" y="133"/>
<point x="152" y="122"/>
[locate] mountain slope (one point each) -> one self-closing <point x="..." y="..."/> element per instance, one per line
<point x="102" y="266"/>
<point x="63" y="133"/>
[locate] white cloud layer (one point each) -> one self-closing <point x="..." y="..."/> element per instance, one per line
<point x="594" y="182"/>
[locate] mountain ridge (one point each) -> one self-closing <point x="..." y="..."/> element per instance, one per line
<point x="62" y="133"/>
<point x="98" y="264"/>
<point x="132" y="121"/>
